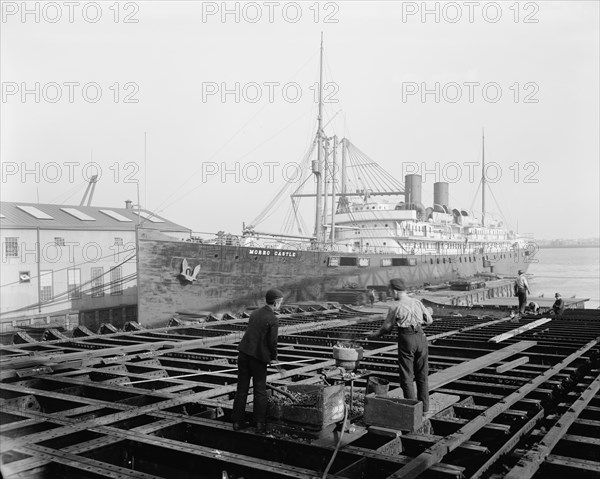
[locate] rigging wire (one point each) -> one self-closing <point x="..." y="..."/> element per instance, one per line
<point x="53" y="301"/>
<point x="75" y="265"/>
<point x="74" y="189"/>
<point x="56" y="300"/>
<point x="475" y="196"/>
<point x="161" y="206"/>
<point x="176" y="200"/>
<point x="266" y="211"/>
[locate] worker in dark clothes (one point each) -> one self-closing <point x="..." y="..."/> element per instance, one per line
<point x="409" y="315"/>
<point x="558" y="307"/>
<point x="257" y="349"/>
<point x="521" y="290"/>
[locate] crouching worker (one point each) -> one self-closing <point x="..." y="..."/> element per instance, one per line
<point x="257" y="349"/>
<point x="533" y="307"/>
<point x="409" y="315"/>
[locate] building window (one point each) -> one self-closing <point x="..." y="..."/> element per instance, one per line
<point x="74" y="283"/>
<point x="11" y="247"/>
<point x="46" y="286"/>
<point x="118" y="241"/>
<point x="97" y="282"/>
<point x="116" y="286"/>
<point x="58" y="241"/>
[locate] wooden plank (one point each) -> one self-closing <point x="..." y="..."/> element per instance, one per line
<point x="529" y="464"/>
<point x="435" y="453"/>
<point x="575" y="465"/>
<point x="514" y="332"/>
<point x="453" y="373"/>
<point x="511" y="365"/>
<point x="510" y="444"/>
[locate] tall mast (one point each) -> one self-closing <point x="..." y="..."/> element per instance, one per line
<point x="482" y="177"/>
<point x="334" y="167"/>
<point x="317" y="169"/>
<point x="343" y="144"/>
<point x="324" y="175"/>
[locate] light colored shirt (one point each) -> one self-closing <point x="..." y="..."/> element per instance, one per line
<point x="534" y="306"/>
<point x="522" y="282"/>
<point x="405" y="313"/>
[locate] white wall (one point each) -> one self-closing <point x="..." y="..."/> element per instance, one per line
<point x="83" y="250"/>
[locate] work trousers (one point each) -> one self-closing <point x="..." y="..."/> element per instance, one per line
<point x="413" y="364"/>
<point x="522" y="295"/>
<point x="250" y="368"/>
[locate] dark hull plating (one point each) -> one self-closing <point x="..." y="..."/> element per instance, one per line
<point x="232" y="277"/>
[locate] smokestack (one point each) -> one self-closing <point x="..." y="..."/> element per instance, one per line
<point x="441" y="194"/>
<point x="412" y="190"/>
<point x="128" y="204"/>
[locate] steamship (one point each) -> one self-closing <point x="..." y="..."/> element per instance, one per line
<point x="368" y="228"/>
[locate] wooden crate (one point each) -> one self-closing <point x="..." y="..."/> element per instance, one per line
<point x="326" y="407"/>
<point x="393" y="413"/>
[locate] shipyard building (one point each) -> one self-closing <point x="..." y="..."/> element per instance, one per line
<point x="62" y="261"/>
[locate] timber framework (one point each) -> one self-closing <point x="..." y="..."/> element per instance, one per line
<point x="149" y="403"/>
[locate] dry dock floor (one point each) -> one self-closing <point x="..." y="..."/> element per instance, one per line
<point x="157" y="403"/>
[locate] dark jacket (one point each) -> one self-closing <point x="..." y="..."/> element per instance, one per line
<point x="260" y="338"/>
<point x="559" y="306"/>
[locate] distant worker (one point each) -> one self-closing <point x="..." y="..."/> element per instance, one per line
<point x="521" y="290"/>
<point x="534" y="307"/>
<point x="371" y="296"/>
<point x="257" y="349"/>
<point x="409" y="315"/>
<point x="558" y="307"/>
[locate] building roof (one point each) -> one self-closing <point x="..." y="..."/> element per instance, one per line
<point x="71" y="217"/>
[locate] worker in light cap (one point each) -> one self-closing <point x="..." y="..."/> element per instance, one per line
<point x="409" y="315"/>
<point x="257" y="349"/>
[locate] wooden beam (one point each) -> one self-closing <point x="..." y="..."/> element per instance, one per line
<point x="453" y="373"/>
<point x="529" y="464"/>
<point x="514" y="332"/>
<point x="511" y="365"/>
<point x="435" y="453"/>
<point x="106" y="354"/>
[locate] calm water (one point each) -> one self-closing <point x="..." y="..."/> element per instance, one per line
<point x="570" y="271"/>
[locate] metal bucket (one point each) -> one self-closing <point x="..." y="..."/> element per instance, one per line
<point x="347" y="357"/>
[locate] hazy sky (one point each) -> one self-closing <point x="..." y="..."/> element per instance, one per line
<point x="229" y="87"/>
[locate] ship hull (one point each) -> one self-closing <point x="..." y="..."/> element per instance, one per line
<point x="231" y="278"/>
